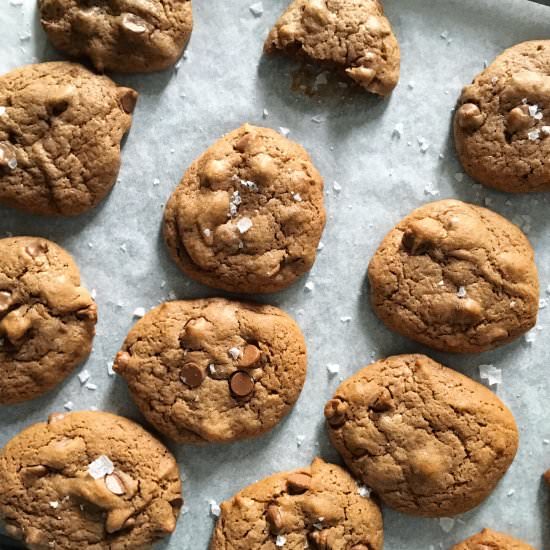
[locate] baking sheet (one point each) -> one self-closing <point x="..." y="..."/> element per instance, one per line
<point x="223" y="82"/>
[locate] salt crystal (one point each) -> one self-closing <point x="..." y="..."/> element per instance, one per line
<point x="318" y="119"/>
<point x="234" y="203"/>
<point x="234" y="352"/>
<point x="492" y="374"/>
<point x="297" y="197"/>
<point x="424" y="144"/>
<point x="206" y="232"/>
<point x="410" y="85"/>
<point x="543" y="302"/>
<point x="533" y="135"/>
<point x="91" y="387"/>
<point x="546" y="441"/>
<point x="2" y="111"/>
<point x="545" y="130"/>
<point x="110" y="370"/>
<point x="284" y="131"/>
<point x="533" y="109"/>
<point x="54" y="503"/>
<point x="280" y="541"/>
<point x="333" y="368"/>
<point x="265" y="113"/>
<point x="530" y="337"/>
<point x="244" y="224"/>
<point x="447" y="524"/>
<point x="139" y="312"/>
<point x="215" y="510"/>
<point x="250" y="185"/>
<point x="257" y="9"/>
<point x="461" y="293"/>
<point x="538" y="116"/>
<point x="156" y="181"/>
<point x="431" y="189"/>
<point x="510" y="492"/>
<point x="320" y="246"/>
<point x="101" y="467"/>
<point x="93" y="293"/>
<point x="12" y="164"/>
<point x="345" y="319"/>
<point x="444" y="35"/>
<point x="309" y="286"/>
<point x="300" y="440"/>
<point x="363" y="491"/>
<point x="84" y="376"/>
<point x="212" y="368"/>
<point x="337" y="187"/>
<point x="69" y="405"/>
<point x="397" y="132"/>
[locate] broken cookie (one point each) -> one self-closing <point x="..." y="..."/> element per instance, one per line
<point x="214" y="369"/>
<point x="60" y="132"/>
<point x="455" y="277"/>
<point x="88" y="480"/>
<point x="47" y="319"/>
<point x="502" y="121"/>
<point x="318" y="507"/>
<point x="248" y="214"/>
<point x="351" y="36"/>
<point x="428" y="440"/>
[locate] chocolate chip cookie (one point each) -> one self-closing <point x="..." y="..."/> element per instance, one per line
<point x="47" y="320"/>
<point x="320" y="506"/>
<point x="60" y="132"/>
<point x="248" y="214"/>
<point x="352" y="36"/>
<point x="119" y="35"/>
<point x="492" y="540"/>
<point x="88" y="480"/>
<point x="213" y="370"/>
<point x="455" y="277"/>
<point x="502" y="122"/>
<point x="428" y="440"/>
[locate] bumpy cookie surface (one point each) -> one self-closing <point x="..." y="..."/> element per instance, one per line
<point x="456" y="277"/>
<point x="88" y="480"/>
<point x="214" y="370"/>
<point x="491" y="540"/>
<point x="248" y="214"/>
<point x="60" y="132"/>
<point x="353" y="36"/>
<point x="315" y="507"/>
<point x="119" y="35"/>
<point x="502" y="122"/>
<point x="47" y="320"/>
<point x="428" y="440"/>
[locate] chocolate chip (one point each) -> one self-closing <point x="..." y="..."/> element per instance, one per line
<point x="469" y="116"/>
<point x="128" y="99"/>
<point x="298" y="483"/>
<point x="274" y="517"/>
<point x="133" y="23"/>
<point x="192" y="375"/>
<point x="36" y="248"/>
<point x="241" y="384"/>
<point x="8" y="160"/>
<point x="251" y="355"/>
<point x="5" y="300"/>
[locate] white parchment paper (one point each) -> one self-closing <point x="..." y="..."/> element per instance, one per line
<point x="225" y="81"/>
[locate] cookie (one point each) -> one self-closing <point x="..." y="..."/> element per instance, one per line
<point x="47" y="320"/>
<point x="248" y="214"/>
<point x="60" y="132"/>
<point x="125" y="36"/>
<point x="319" y="507"/>
<point x="351" y="36"/>
<point x="88" y="480"/>
<point x="428" y="440"/>
<point x="214" y="369"/>
<point x="491" y="540"/>
<point x="455" y="277"/>
<point x="502" y="121"/>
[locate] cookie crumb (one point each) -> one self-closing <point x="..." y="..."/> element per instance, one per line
<point x="101" y="467"/>
<point x="257" y="9"/>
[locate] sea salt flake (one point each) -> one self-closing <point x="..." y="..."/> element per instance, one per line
<point x="215" y="510"/>
<point x="297" y="197"/>
<point x="206" y="232"/>
<point x="337" y="187"/>
<point x="139" y="312"/>
<point x="447" y="524"/>
<point x="234" y="352"/>
<point x="533" y="135"/>
<point x="256" y="9"/>
<point x="156" y="181"/>
<point x="69" y="405"/>
<point x="444" y="35"/>
<point x="244" y="224"/>
<point x="2" y="111"/>
<point x="539" y="116"/>
<point x="510" y="493"/>
<point x="431" y="189"/>
<point x="54" y="503"/>
<point x="265" y="113"/>
<point x="280" y="541"/>
<point x="345" y="319"/>
<point x="250" y="185"/>
<point x="320" y="246"/>
<point x="545" y="130"/>
<point x="363" y="491"/>
<point x="492" y="374"/>
<point x="543" y="302"/>
<point x="309" y="286"/>
<point x="300" y="440"/>
<point x="333" y="368"/>
<point x="234" y="203"/>
<point x="12" y="164"/>
<point x="101" y="467"/>
<point x="212" y="368"/>
<point x="424" y="144"/>
<point x="530" y="337"/>
<point x="93" y="293"/>
<point x="284" y="131"/>
<point x="461" y="293"/>
<point x="110" y="370"/>
<point x="84" y="376"/>
<point x="90" y="386"/>
<point x="397" y="132"/>
<point x="533" y="109"/>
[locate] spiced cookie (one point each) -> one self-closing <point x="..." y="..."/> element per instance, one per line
<point x="47" y="320"/>
<point x="455" y="277"/>
<point x="351" y="36"/>
<point x="214" y="370"/>
<point x="492" y="540"/>
<point x="248" y="214"/>
<point x="119" y="35"/>
<point x="60" y="132"/>
<point x="428" y="440"/>
<point x="502" y="122"/>
<point x="315" y="507"/>
<point x="88" y="480"/>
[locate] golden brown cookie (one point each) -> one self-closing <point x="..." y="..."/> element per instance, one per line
<point x="502" y="121"/>
<point x="47" y="320"/>
<point x="248" y="214"/>
<point x="455" y="277"/>
<point x="88" y="480"/>
<point x="318" y="507"/>
<point x="428" y="440"/>
<point x="214" y="370"/>
<point x="491" y="540"/>
<point x="119" y="35"/>
<point x="351" y="36"/>
<point x="60" y="132"/>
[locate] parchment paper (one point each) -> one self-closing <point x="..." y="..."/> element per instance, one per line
<point x="225" y="81"/>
